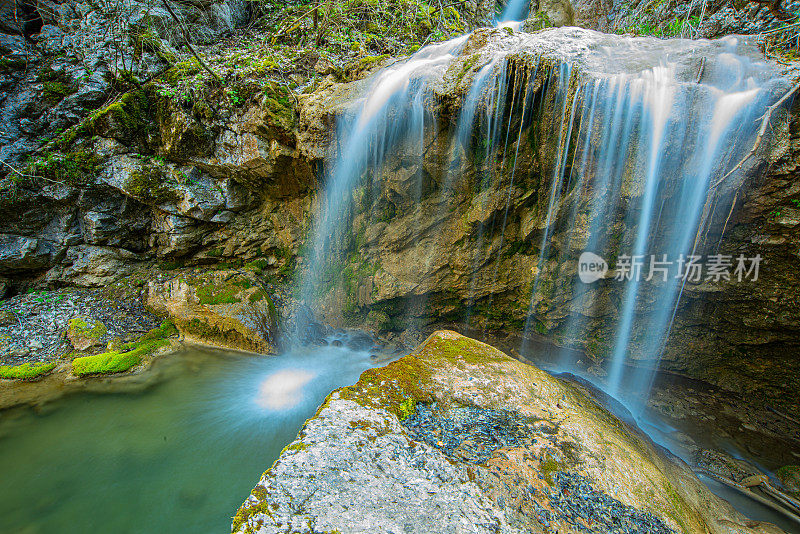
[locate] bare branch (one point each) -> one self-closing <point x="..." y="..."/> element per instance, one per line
<point x="188" y="44"/>
<point x="765" y="118"/>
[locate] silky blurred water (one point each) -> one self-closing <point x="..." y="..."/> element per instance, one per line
<point x="180" y="456"/>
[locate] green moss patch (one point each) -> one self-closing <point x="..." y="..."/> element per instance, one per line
<point x="55" y="92"/>
<point x="150" y="185"/>
<point x="258" y="295"/>
<point x="127" y="119"/>
<point x="398" y="386"/>
<point x="110" y="362"/>
<point x="406" y="409"/>
<point x="74" y="168"/>
<point x="79" y="326"/>
<point x="26" y="371"/>
<point x="211" y="294"/>
<point x="126" y="356"/>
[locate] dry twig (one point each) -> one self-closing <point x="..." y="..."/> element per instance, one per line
<point x="765" y="118"/>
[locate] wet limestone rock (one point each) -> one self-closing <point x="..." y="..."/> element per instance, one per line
<point x="789" y="475"/>
<point x="459" y="437"/>
<point x="84" y="332"/>
<point x="557" y="12"/>
<point x="219" y="308"/>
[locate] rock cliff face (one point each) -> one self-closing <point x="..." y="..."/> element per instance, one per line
<point x="231" y="176"/>
<point x="64" y="59"/>
<point x="458" y="236"/>
<point x="459" y="436"/>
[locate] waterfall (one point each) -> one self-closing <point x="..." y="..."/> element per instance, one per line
<point x="373" y="131"/>
<point x="515" y="10"/>
<point x="620" y="140"/>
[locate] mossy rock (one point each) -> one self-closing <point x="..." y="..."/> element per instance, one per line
<point x="567" y="433"/>
<point x="124" y="357"/>
<point x="129" y="119"/>
<point x="26" y="371"/>
<point x="55" y="92"/>
<point x="71" y="167"/>
<point x="150" y="185"/>
<point x="280" y="106"/>
<point x="84" y="332"/>
<point x="789" y="475"/>
<point x="212" y="294"/>
<point x="222" y="331"/>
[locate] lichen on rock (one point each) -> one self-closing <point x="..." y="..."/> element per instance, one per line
<point x="218" y="308"/>
<point x="84" y="332"/>
<point x="459" y="437"/>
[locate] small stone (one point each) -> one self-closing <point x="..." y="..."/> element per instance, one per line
<point x="84" y="332"/>
<point x="7" y="318"/>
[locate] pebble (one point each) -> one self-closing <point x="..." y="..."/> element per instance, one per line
<point x="43" y="317"/>
<point x="576" y="501"/>
<point x="467" y="433"/>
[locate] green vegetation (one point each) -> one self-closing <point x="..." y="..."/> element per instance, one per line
<point x="73" y="168"/>
<point x="80" y="327"/>
<point x="257" y="266"/>
<point x="165" y="330"/>
<point x="257" y="296"/>
<point x="54" y="92"/>
<point x="677" y="27"/>
<point x="127" y="119"/>
<point x="249" y="510"/>
<point x="55" y="85"/>
<point x="7" y="64"/>
<point x="213" y="294"/>
<point x="548" y="467"/>
<point x="111" y="361"/>
<point x="406" y="409"/>
<point x="150" y="185"/>
<point x="538" y="21"/>
<point x="399" y="386"/>
<point x="362" y="25"/>
<point x="127" y="355"/>
<point x="148" y="41"/>
<point x="26" y="371"/>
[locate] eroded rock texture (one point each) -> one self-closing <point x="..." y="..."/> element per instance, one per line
<point x="458" y="437"/>
<point x="439" y="236"/>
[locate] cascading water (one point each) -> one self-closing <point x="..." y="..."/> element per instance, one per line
<point x="372" y="133"/>
<point x="629" y="138"/>
<point x="675" y="152"/>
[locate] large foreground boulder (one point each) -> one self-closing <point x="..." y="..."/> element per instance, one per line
<point x="459" y="437"/>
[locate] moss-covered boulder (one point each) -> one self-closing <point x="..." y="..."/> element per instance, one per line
<point x="84" y="332"/>
<point x="26" y="371"/>
<point x="218" y="308"/>
<point x="120" y="358"/>
<point x="459" y="436"/>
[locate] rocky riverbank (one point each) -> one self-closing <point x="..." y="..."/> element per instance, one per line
<point x="459" y="434"/>
<point x="62" y="339"/>
<point x="112" y="167"/>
